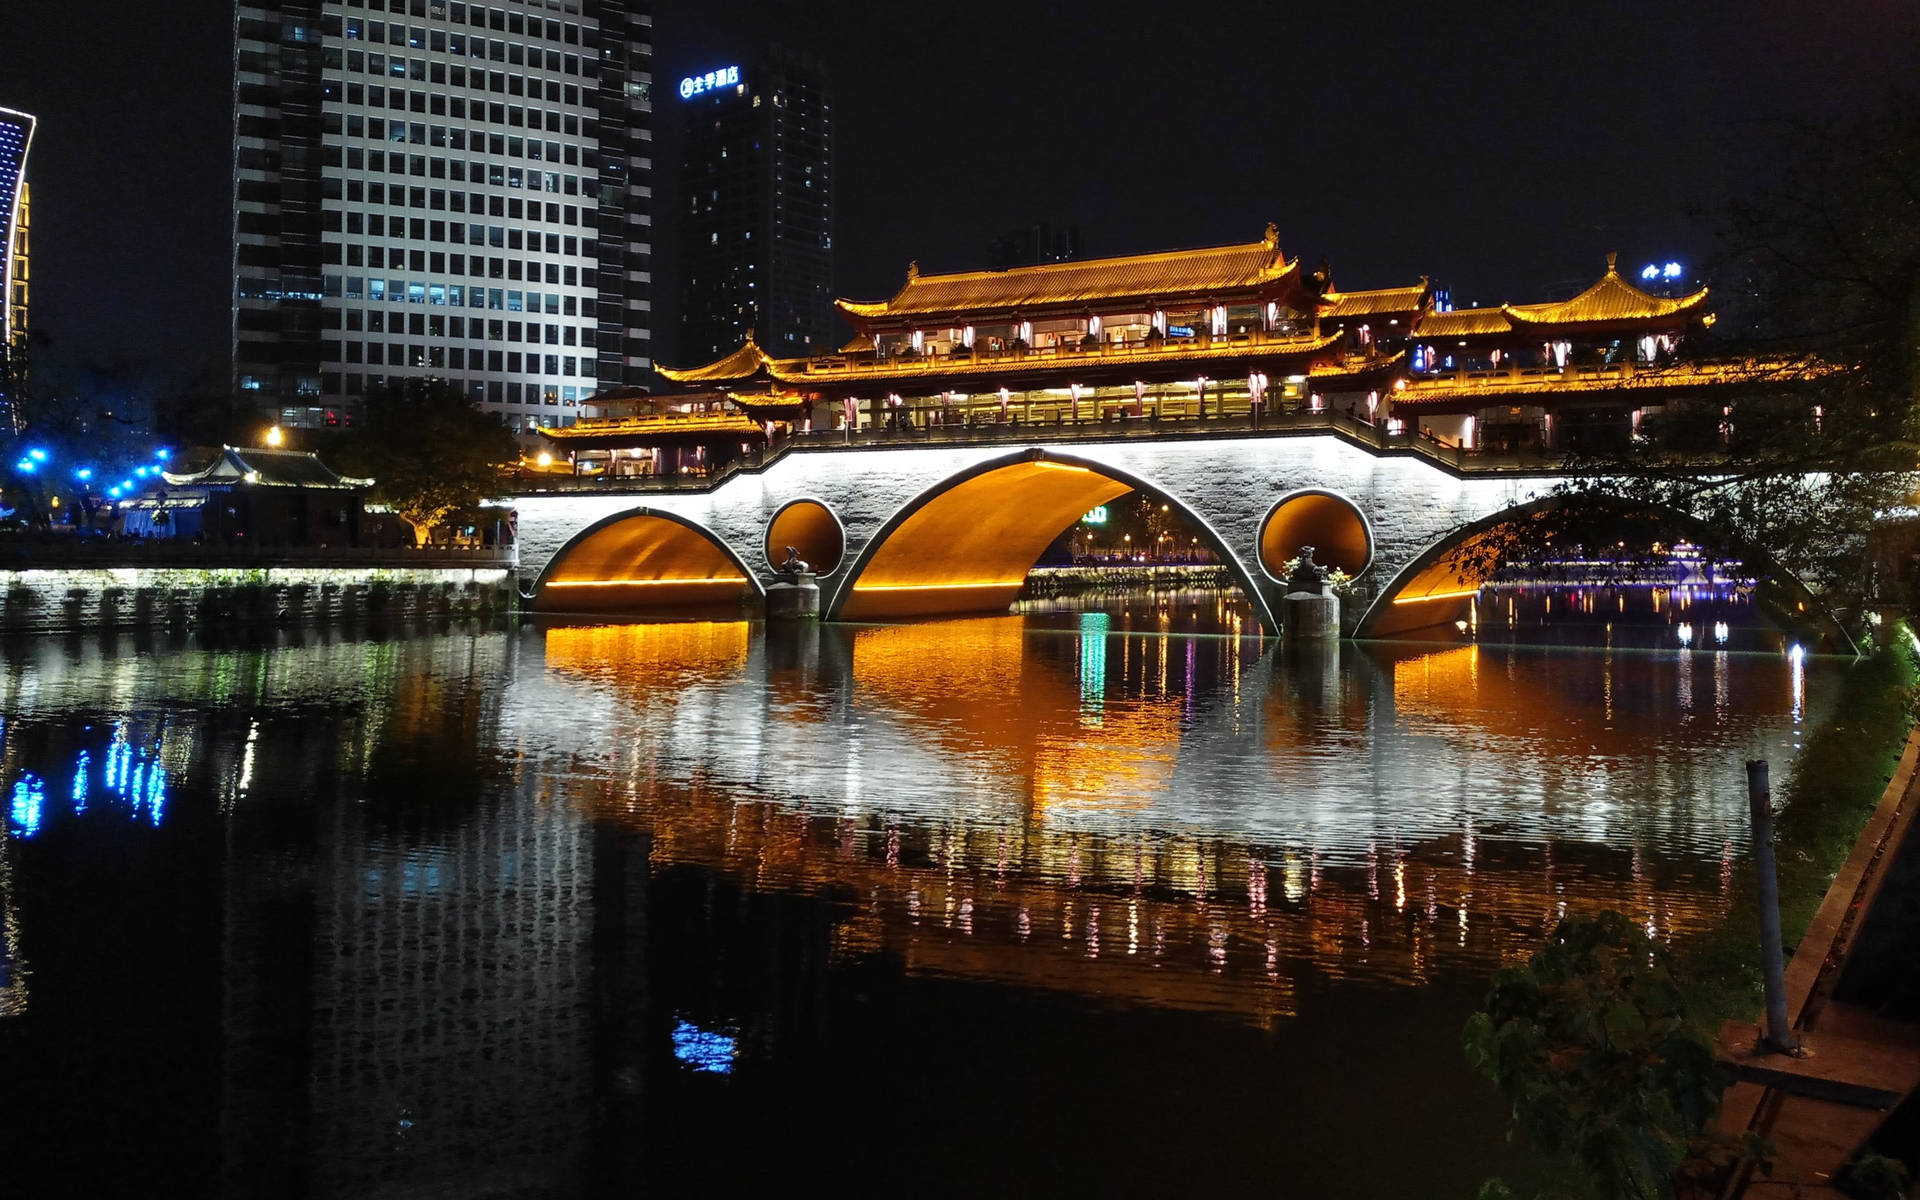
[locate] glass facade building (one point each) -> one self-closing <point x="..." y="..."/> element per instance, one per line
<point x="16" y="138"/>
<point x="430" y="188"/>
<point x="756" y="249"/>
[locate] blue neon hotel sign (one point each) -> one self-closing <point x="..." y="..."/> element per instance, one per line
<point x="693" y="85"/>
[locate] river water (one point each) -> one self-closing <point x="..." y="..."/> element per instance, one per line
<point x="1117" y="902"/>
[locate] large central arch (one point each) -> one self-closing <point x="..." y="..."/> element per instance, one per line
<point x="966" y="544"/>
<point x="643" y="561"/>
<point x="1435" y="587"/>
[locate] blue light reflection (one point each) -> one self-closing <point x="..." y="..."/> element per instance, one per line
<point x="704" y="1050"/>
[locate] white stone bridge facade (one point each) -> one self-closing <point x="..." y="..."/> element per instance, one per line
<point x="907" y="530"/>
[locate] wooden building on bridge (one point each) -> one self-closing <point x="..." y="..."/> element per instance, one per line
<point x="1232" y="331"/>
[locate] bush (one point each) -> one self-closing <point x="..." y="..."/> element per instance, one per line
<point x="1590" y="1045"/>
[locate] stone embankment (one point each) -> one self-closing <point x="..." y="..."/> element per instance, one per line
<point x="63" y="598"/>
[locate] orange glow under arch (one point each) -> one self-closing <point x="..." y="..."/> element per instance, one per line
<point x="966" y="545"/>
<point x="812" y="530"/>
<point x="1437" y="587"/>
<point x="641" y="562"/>
<point x="1331" y="524"/>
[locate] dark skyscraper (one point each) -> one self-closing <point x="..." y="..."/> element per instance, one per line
<point x="415" y="180"/>
<point x="757" y="240"/>
<point x="1033" y="245"/>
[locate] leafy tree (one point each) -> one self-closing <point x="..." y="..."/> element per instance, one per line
<point x="430" y="450"/>
<point x="1820" y="268"/>
<point x="1589" y="1044"/>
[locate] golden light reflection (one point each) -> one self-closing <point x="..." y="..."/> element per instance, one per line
<point x="980" y="685"/>
<point x="677" y="654"/>
<point x="969" y="548"/>
<point x="1172" y="922"/>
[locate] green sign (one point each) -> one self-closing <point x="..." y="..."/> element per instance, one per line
<point x="1097" y="517"/>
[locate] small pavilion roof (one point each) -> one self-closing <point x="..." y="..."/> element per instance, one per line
<point x="1342" y="305"/>
<point x="267" y="468"/>
<point x="1164" y="275"/>
<point x="745" y="363"/>
<point x="1611" y="299"/>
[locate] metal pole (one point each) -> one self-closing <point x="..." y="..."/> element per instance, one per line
<point x="1778" y="1033"/>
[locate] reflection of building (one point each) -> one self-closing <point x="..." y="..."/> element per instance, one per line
<point x="1234" y="330"/>
<point x="435" y="986"/>
<point x="460" y="191"/>
<point x="16" y="138"/>
<point x="13" y="964"/>
<point x="757" y="236"/>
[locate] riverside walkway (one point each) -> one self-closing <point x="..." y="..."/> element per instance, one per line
<point x="1847" y="986"/>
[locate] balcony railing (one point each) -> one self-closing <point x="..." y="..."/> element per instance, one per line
<point x="1285" y="337"/>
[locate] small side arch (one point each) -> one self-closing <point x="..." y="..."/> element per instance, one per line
<point x="641" y="561"/>
<point x="966" y="543"/>
<point x="812" y="528"/>
<point x="1336" y="528"/>
<point x="1435" y="588"/>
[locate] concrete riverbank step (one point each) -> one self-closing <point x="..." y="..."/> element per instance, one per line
<point x="1870" y="1068"/>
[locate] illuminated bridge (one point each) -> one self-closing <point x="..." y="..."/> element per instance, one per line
<point x="926" y="467"/>
<point x="911" y="530"/>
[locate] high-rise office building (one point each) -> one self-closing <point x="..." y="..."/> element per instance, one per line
<point x="16" y="138"/>
<point x="756" y="244"/>
<point x="434" y="188"/>
<point x="1034" y="245"/>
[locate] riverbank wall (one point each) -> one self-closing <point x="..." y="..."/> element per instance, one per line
<point x="60" y="599"/>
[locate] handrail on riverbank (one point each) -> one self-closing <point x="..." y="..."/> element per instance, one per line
<point x="53" y="552"/>
<point x="1839" y="1092"/>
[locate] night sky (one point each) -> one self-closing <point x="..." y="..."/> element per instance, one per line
<point x="1500" y="148"/>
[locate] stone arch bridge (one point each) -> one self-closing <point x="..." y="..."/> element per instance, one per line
<point x="899" y="531"/>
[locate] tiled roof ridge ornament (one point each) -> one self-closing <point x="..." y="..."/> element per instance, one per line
<point x="913" y="270"/>
<point x="1613" y="262"/>
<point x="1272" y="236"/>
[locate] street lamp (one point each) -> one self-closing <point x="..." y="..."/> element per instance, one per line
<point x="274" y="436"/>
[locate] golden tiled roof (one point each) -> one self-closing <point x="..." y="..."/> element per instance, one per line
<point x="1463" y="322"/>
<point x="1612" y="299"/>
<point x="1162" y="276"/>
<point x="857" y="343"/>
<point x="770" y="403"/>
<point x="1339" y="305"/>
<point x="743" y="363"/>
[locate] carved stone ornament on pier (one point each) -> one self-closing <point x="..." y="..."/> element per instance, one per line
<point x="1308" y="576"/>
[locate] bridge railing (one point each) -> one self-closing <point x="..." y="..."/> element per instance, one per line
<point x="1110" y="428"/>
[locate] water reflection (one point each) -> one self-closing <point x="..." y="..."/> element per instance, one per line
<point x="441" y="912"/>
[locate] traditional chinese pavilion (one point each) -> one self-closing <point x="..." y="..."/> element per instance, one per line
<point x="637" y="433"/>
<point x="1225" y="330"/>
